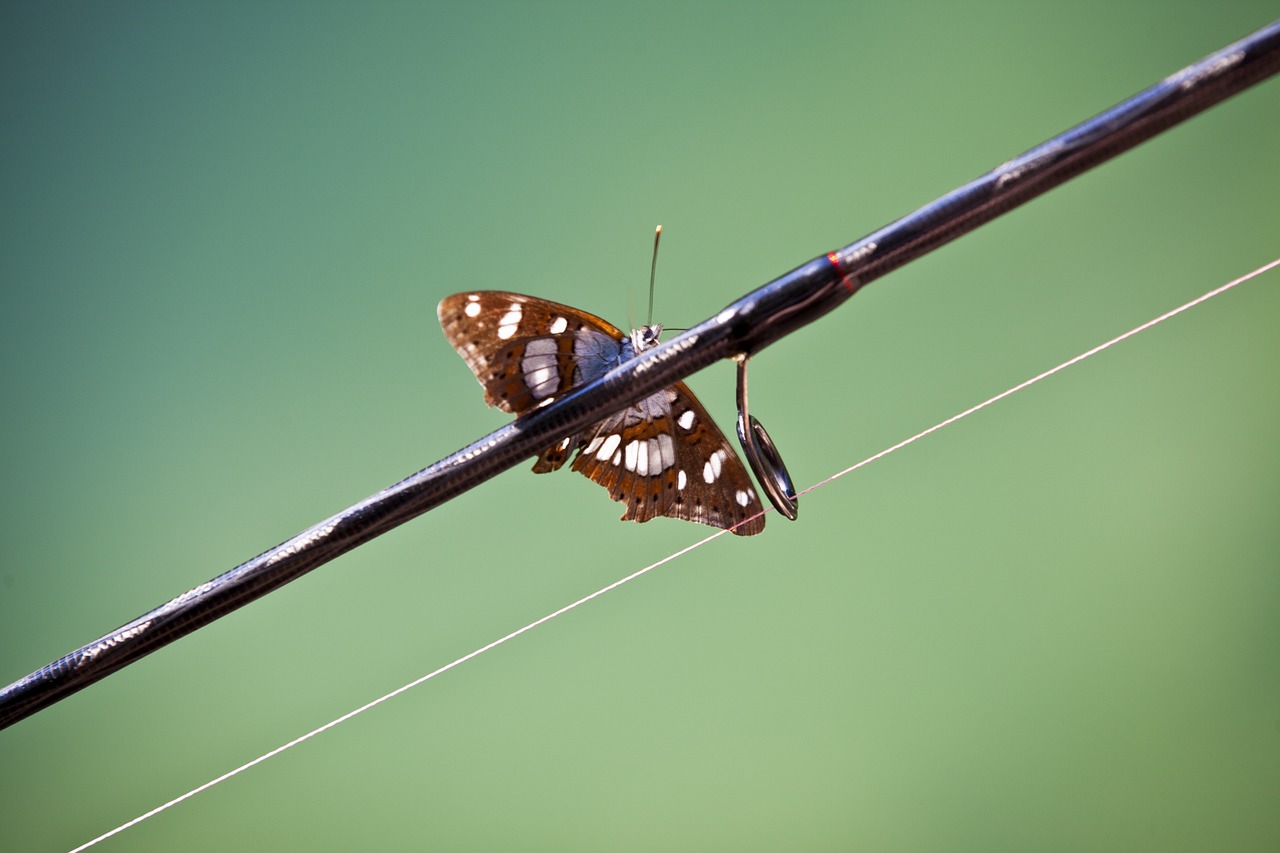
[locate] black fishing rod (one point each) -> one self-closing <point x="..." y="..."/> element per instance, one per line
<point x="744" y="327"/>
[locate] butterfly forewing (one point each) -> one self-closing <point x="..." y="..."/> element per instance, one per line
<point x="663" y="456"/>
<point x="526" y="350"/>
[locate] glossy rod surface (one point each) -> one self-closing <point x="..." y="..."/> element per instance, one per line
<point x="751" y="323"/>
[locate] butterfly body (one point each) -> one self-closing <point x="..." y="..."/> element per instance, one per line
<point x="661" y="456"/>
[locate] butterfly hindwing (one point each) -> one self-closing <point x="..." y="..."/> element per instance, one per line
<point x="673" y="463"/>
<point x="662" y="456"/>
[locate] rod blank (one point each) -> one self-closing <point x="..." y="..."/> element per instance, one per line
<point x="746" y="326"/>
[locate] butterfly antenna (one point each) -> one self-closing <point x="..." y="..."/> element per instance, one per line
<point x="653" y="269"/>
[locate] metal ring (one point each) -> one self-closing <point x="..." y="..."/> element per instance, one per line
<point x="762" y="454"/>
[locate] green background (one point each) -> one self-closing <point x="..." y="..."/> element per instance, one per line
<point x="1052" y="626"/>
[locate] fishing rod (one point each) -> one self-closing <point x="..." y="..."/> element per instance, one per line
<point x="743" y="328"/>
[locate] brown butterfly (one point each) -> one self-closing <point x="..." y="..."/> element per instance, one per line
<point x="662" y="456"/>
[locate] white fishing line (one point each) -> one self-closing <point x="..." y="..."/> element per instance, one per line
<point x="309" y="735"/>
<point x="1050" y="372"/>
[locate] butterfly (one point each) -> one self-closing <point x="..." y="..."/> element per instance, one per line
<point x="662" y="456"/>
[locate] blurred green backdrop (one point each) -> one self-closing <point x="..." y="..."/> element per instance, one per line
<point x="1050" y="627"/>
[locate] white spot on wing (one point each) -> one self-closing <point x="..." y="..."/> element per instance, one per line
<point x="667" y="450"/>
<point x="711" y="470"/>
<point x="681" y="479"/>
<point x="558" y="325"/>
<point x="610" y="444"/>
<point x="717" y="459"/>
<point x="539" y="366"/>
<point x="686" y="420"/>
<point x="631" y="450"/>
<point x="472" y="309"/>
<point x="510" y="321"/>
<point x="742" y="497"/>
<point x="542" y="376"/>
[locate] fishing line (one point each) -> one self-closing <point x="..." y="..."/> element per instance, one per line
<point x="498" y="642"/>
<point x="1051" y="371"/>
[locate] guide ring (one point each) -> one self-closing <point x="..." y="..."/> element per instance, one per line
<point x="762" y="454"/>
